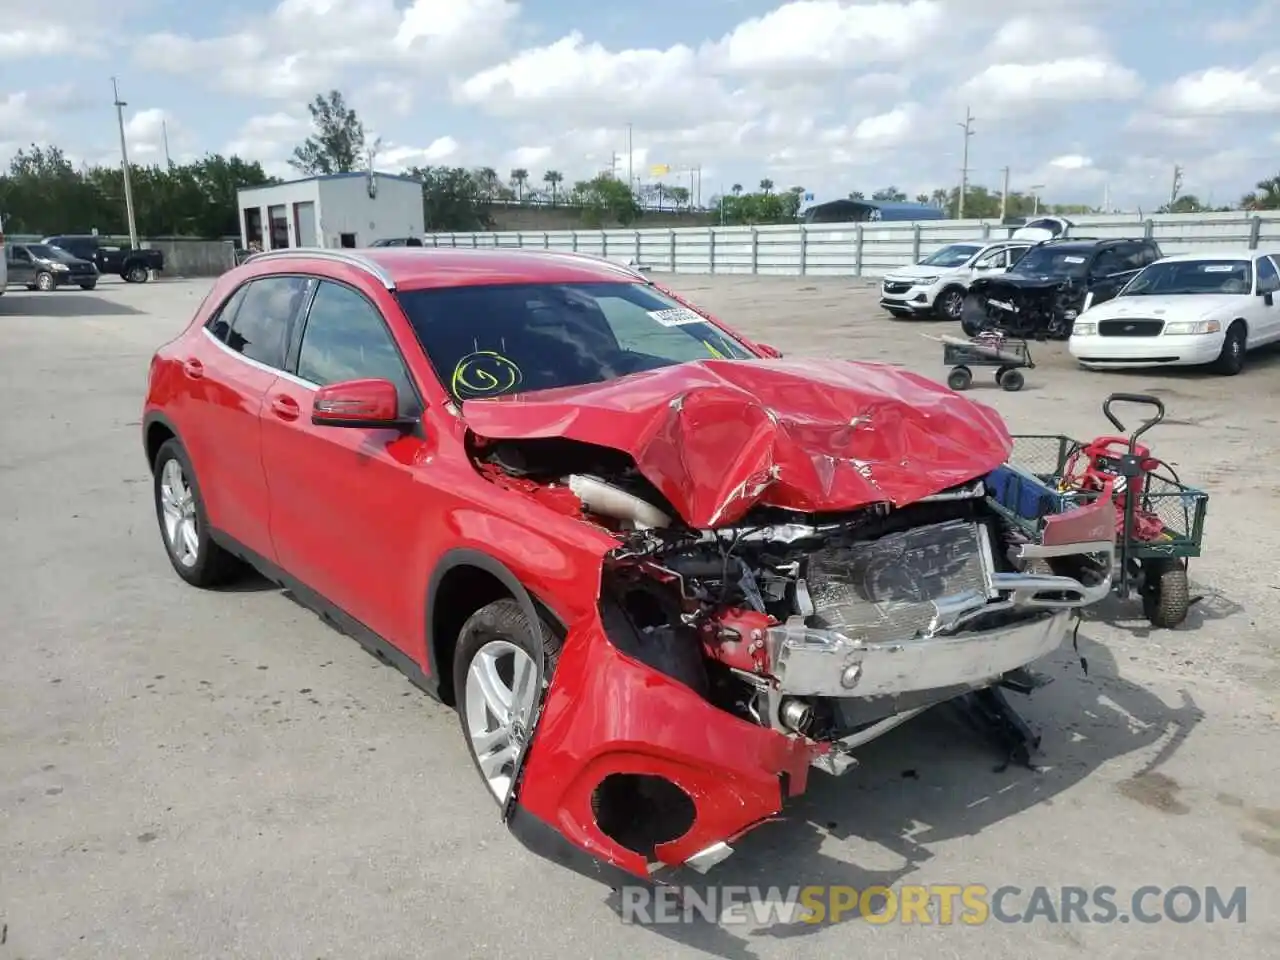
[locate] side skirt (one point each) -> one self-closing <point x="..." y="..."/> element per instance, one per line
<point x="331" y="614"/>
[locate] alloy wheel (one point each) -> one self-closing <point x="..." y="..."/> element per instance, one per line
<point x="178" y="505"/>
<point x="501" y="693"/>
<point x="953" y="304"/>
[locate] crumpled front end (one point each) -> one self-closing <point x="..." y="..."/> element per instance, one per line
<point x="730" y="651"/>
<point x="1023" y="306"/>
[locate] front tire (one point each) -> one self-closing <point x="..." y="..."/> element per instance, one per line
<point x="1166" y="593"/>
<point x="1234" y="348"/>
<point x="45" y="282"/>
<point x="184" y="525"/>
<point x="501" y="668"/>
<point x="949" y="304"/>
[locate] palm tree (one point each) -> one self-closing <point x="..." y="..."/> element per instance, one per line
<point x="1266" y="197"/>
<point x="553" y="178"/>
<point x="766" y="186"/>
<point x="488" y="178"/>
<point x="737" y="189"/>
<point x="519" y="177"/>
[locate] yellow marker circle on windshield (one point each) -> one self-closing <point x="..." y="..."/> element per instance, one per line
<point x="484" y="374"/>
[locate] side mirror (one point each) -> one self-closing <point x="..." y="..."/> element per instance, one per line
<point x="773" y="353"/>
<point x="358" y="403"/>
<point x="1268" y="298"/>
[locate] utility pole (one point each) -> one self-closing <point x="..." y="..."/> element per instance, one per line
<point x="124" y="165"/>
<point x="1106" y="198"/>
<point x="631" y="177"/>
<point x="164" y="134"/>
<point x="1177" y="184"/>
<point x="967" y="127"/>
<point x="1004" y="196"/>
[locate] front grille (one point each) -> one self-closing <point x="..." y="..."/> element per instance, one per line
<point x="1130" y="328"/>
<point x="884" y="591"/>
<point x="896" y="286"/>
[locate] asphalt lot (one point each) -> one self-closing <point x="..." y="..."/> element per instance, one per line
<point x="190" y="774"/>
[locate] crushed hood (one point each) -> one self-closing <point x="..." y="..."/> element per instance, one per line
<point x="1012" y="282"/>
<point x="717" y="437"/>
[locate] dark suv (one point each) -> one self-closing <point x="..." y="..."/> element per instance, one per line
<point x="1042" y="294"/>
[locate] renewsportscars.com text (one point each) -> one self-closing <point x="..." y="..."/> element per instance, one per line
<point x="935" y="904"/>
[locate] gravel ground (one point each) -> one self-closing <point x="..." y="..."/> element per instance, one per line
<point x="192" y="774"/>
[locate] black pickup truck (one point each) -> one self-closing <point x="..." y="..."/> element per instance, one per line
<point x="133" y="266"/>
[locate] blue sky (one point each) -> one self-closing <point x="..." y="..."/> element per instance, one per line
<point x="1084" y="99"/>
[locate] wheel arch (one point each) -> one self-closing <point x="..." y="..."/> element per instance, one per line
<point x="463" y="581"/>
<point x="157" y="429"/>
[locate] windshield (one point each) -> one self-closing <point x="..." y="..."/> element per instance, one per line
<point x="488" y="341"/>
<point x="1191" y="277"/>
<point x="44" y="251"/>
<point x="1050" y="262"/>
<point x="956" y="255"/>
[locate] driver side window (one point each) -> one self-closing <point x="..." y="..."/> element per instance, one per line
<point x="345" y="338"/>
<point x="1268" y="277"/>
<point x="1108" y="262"/>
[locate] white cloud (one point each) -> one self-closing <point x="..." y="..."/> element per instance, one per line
<point x="34" y="40"/>
<point x="1071" y="161"/>
<point x="305" y="45"/>
<point x="809" y="35"/>
<point x="1015" y="39"/>
<point x="1011" y="88"/>
<point x="1222" y="90"/>
<point x="398" y="156"/>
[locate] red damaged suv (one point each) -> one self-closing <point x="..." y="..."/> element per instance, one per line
<point x="660" y="571"/>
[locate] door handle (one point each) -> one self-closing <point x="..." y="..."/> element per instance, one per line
<point x="286" y="408"/>
<point x="193" y="368"/>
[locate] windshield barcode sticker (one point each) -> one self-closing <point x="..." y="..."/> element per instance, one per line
<point x="1219" y="268"/>
<point x="676" y="317"/>
<point x="1073" y="259"/>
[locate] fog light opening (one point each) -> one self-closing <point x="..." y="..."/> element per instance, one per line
<point x="640" y="811"/>
<point x="851" y="675"/>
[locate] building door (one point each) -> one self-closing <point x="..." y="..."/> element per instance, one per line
<point x="279" y="221"/>
<point x="304" y="223"/>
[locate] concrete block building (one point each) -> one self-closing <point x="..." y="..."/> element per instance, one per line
<point x="337" y="210"/>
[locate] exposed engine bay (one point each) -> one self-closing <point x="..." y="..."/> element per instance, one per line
<point x="1033" y="308"/>
<point x="835" y="627"/>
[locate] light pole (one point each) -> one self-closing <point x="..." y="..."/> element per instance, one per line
<point x="1035" y="198"/>
<point x="631" y="179"/>
<point x="967" y="127"/>
<point x="124" y="165"/>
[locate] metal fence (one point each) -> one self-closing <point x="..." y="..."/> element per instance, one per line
<point x="858" y="249"/>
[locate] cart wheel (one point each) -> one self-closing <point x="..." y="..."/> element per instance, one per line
<point x="1012" y="381"/>
<point x="1000" y="372"/>
<point x="960" y="378"/>
<point x="1166" y="596"/>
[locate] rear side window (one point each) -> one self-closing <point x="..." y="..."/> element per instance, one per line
<point x="346" y="339"/>
<point x="260" y="328"/>
<point x="1268" y="279"/>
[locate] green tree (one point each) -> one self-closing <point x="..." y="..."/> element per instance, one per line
<point x="454" y="199"/>
<point x="1265" y="196"/>
<point x="553" y="179"/>
<point x="606" y="199"/>
<point x="519" y="177"/>
<point x="337" y="143"/>
<point x="889" y="195"/>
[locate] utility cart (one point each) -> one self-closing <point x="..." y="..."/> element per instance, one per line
<point x="1159" y="519"/>
<point x="1009" y="355"/>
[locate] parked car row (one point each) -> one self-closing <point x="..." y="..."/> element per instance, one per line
<point x="1119" y="302"/>
<point x="63" y="261"/>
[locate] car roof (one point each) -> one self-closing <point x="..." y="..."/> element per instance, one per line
<point x="418" y="268"/>
<point x="1227" y="254"/>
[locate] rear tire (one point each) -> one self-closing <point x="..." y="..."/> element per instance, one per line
<point x="1166" y="594"/>
<point x="497" y="710"/>
<point x="135" y="274"/>
<point x="1011" y="380"/>
<point x="184" y="525"/>
<point x="1234" y="348"/>
<point x="960" y="378"/>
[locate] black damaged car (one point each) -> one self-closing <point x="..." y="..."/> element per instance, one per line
<point x="1041" y="295"/>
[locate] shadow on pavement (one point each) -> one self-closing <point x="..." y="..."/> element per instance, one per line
<point x="61" y="304"/>
<point x="934" y="780"/>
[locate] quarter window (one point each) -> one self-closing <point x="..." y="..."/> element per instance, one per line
<point x="260" y="328"/>
<point x="346" y="339"/>
<point x="220" y="323"/>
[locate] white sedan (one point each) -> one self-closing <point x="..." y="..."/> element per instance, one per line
<point x="1186" y="310"/>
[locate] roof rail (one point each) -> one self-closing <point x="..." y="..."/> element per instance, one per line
<point x="338" y="255"/>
